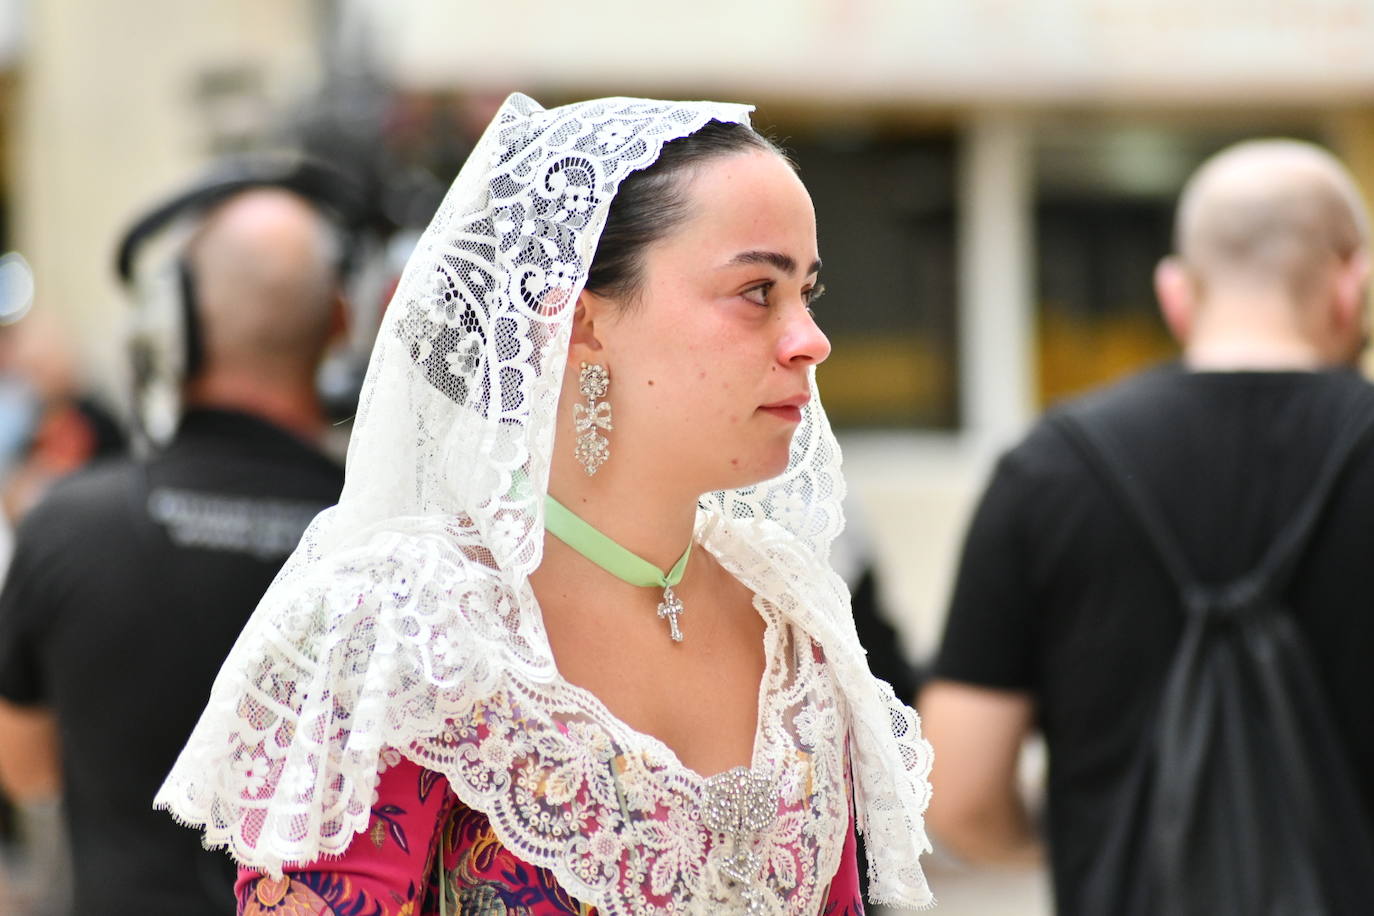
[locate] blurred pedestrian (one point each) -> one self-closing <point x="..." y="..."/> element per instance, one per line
<point x="1066" y="619"/>
<point x="50" y="422"/>
<point x="131" y="581"/>
<point x="49" y="427"/>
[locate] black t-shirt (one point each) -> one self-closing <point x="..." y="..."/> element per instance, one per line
<point x="1059" y="594"/>
<point x="128" y="586"/>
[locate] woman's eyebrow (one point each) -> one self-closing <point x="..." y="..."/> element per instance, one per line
<point x="782" y="262"/>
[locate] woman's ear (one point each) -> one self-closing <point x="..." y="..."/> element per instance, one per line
<point x="589" y="316"/>
<point x="1177" y="297"/>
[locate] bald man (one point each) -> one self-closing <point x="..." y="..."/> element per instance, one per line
<point x="131" y="581"/>
<point x="1062" y="619"/>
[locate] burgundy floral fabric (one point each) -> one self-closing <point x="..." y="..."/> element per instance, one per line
<point x="422" y="843"/>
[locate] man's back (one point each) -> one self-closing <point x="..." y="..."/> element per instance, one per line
<point x="129" y="587"/>
<point x="1060" y="596"/>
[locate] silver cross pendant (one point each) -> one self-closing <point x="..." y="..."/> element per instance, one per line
<point x="670" y="607"/>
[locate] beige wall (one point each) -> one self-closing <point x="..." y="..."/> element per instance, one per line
<point x="940" y="51"/>
<point x="914" y="498"/>
<point x="106" y="121"/>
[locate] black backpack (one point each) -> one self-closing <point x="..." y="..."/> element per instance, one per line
<point x="1241" y="800"/>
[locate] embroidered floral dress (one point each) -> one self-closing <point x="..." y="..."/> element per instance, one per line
<point x="620" y="813"/>
<point x="426" y="854"/>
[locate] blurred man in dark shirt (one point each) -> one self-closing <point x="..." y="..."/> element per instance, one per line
<point x="1062" y="619"/>
<point x="131" y="580"/>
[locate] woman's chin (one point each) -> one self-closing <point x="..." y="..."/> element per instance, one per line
<point x="746" y="475"/>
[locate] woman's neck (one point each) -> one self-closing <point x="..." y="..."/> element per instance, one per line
<point x="630" y="508"/>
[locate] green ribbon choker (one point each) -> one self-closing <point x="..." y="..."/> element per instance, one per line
<point x="563" y="524"/>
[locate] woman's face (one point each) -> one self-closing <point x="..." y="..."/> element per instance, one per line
<point x="709" y="365"/>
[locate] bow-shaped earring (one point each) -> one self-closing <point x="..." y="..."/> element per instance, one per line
<point x="592" y="448"/>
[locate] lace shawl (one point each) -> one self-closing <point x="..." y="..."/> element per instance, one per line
<point x="405" y="618"/>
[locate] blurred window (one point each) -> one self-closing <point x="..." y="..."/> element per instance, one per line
<point x="1096" y="316"/>
<point x="886" y="217"/>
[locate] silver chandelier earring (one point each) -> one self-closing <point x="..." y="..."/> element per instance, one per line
<point x="592" y="448"/>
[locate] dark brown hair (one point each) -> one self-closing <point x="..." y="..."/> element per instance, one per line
<point x="651" y="203"/>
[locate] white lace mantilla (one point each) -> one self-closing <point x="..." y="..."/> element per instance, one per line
<point x="611" y="812"/>
<point x="405" y="619"/>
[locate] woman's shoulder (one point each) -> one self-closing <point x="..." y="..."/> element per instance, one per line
<point x="394" y="567"/>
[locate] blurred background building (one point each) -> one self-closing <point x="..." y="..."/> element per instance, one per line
<point x="993" y="178"/>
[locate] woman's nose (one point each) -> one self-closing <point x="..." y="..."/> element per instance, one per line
<point x="804" y="342"/>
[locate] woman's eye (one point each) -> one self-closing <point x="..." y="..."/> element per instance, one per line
<point x="758" y="294"/>
<point x="814" y="293"/>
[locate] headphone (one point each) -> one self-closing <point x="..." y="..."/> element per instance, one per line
<point x="168" y="347"/>
<point x="332" y="192"/>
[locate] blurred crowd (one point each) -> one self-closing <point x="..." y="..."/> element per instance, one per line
<point x="255" y="292"/>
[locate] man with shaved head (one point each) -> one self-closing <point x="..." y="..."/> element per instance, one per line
<point x="1065" y="620"/>
<point x="1272" y="261"/>
<point x="131" y="581"/>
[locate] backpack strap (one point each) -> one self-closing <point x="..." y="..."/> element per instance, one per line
<point x="1288" y="548"/>
<point x="1104" y="457"/>
<point x="1103" y="454"/>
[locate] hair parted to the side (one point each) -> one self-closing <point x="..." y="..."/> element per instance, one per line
<point x="651" y="203"/>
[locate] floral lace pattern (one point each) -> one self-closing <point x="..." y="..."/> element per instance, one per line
<point x="427" y="854"/>
<point x="615" y="816"/>
<point x="407" y="606"/>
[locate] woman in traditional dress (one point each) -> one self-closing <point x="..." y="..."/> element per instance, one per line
<point x="570" y="641"/>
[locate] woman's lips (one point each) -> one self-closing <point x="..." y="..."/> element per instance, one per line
<point x="789" y="409"/>
<point x="791" y="414"/>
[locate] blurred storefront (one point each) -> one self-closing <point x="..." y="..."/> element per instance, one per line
<point x="994" y="182"/>
<point x="994" y="179"/>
